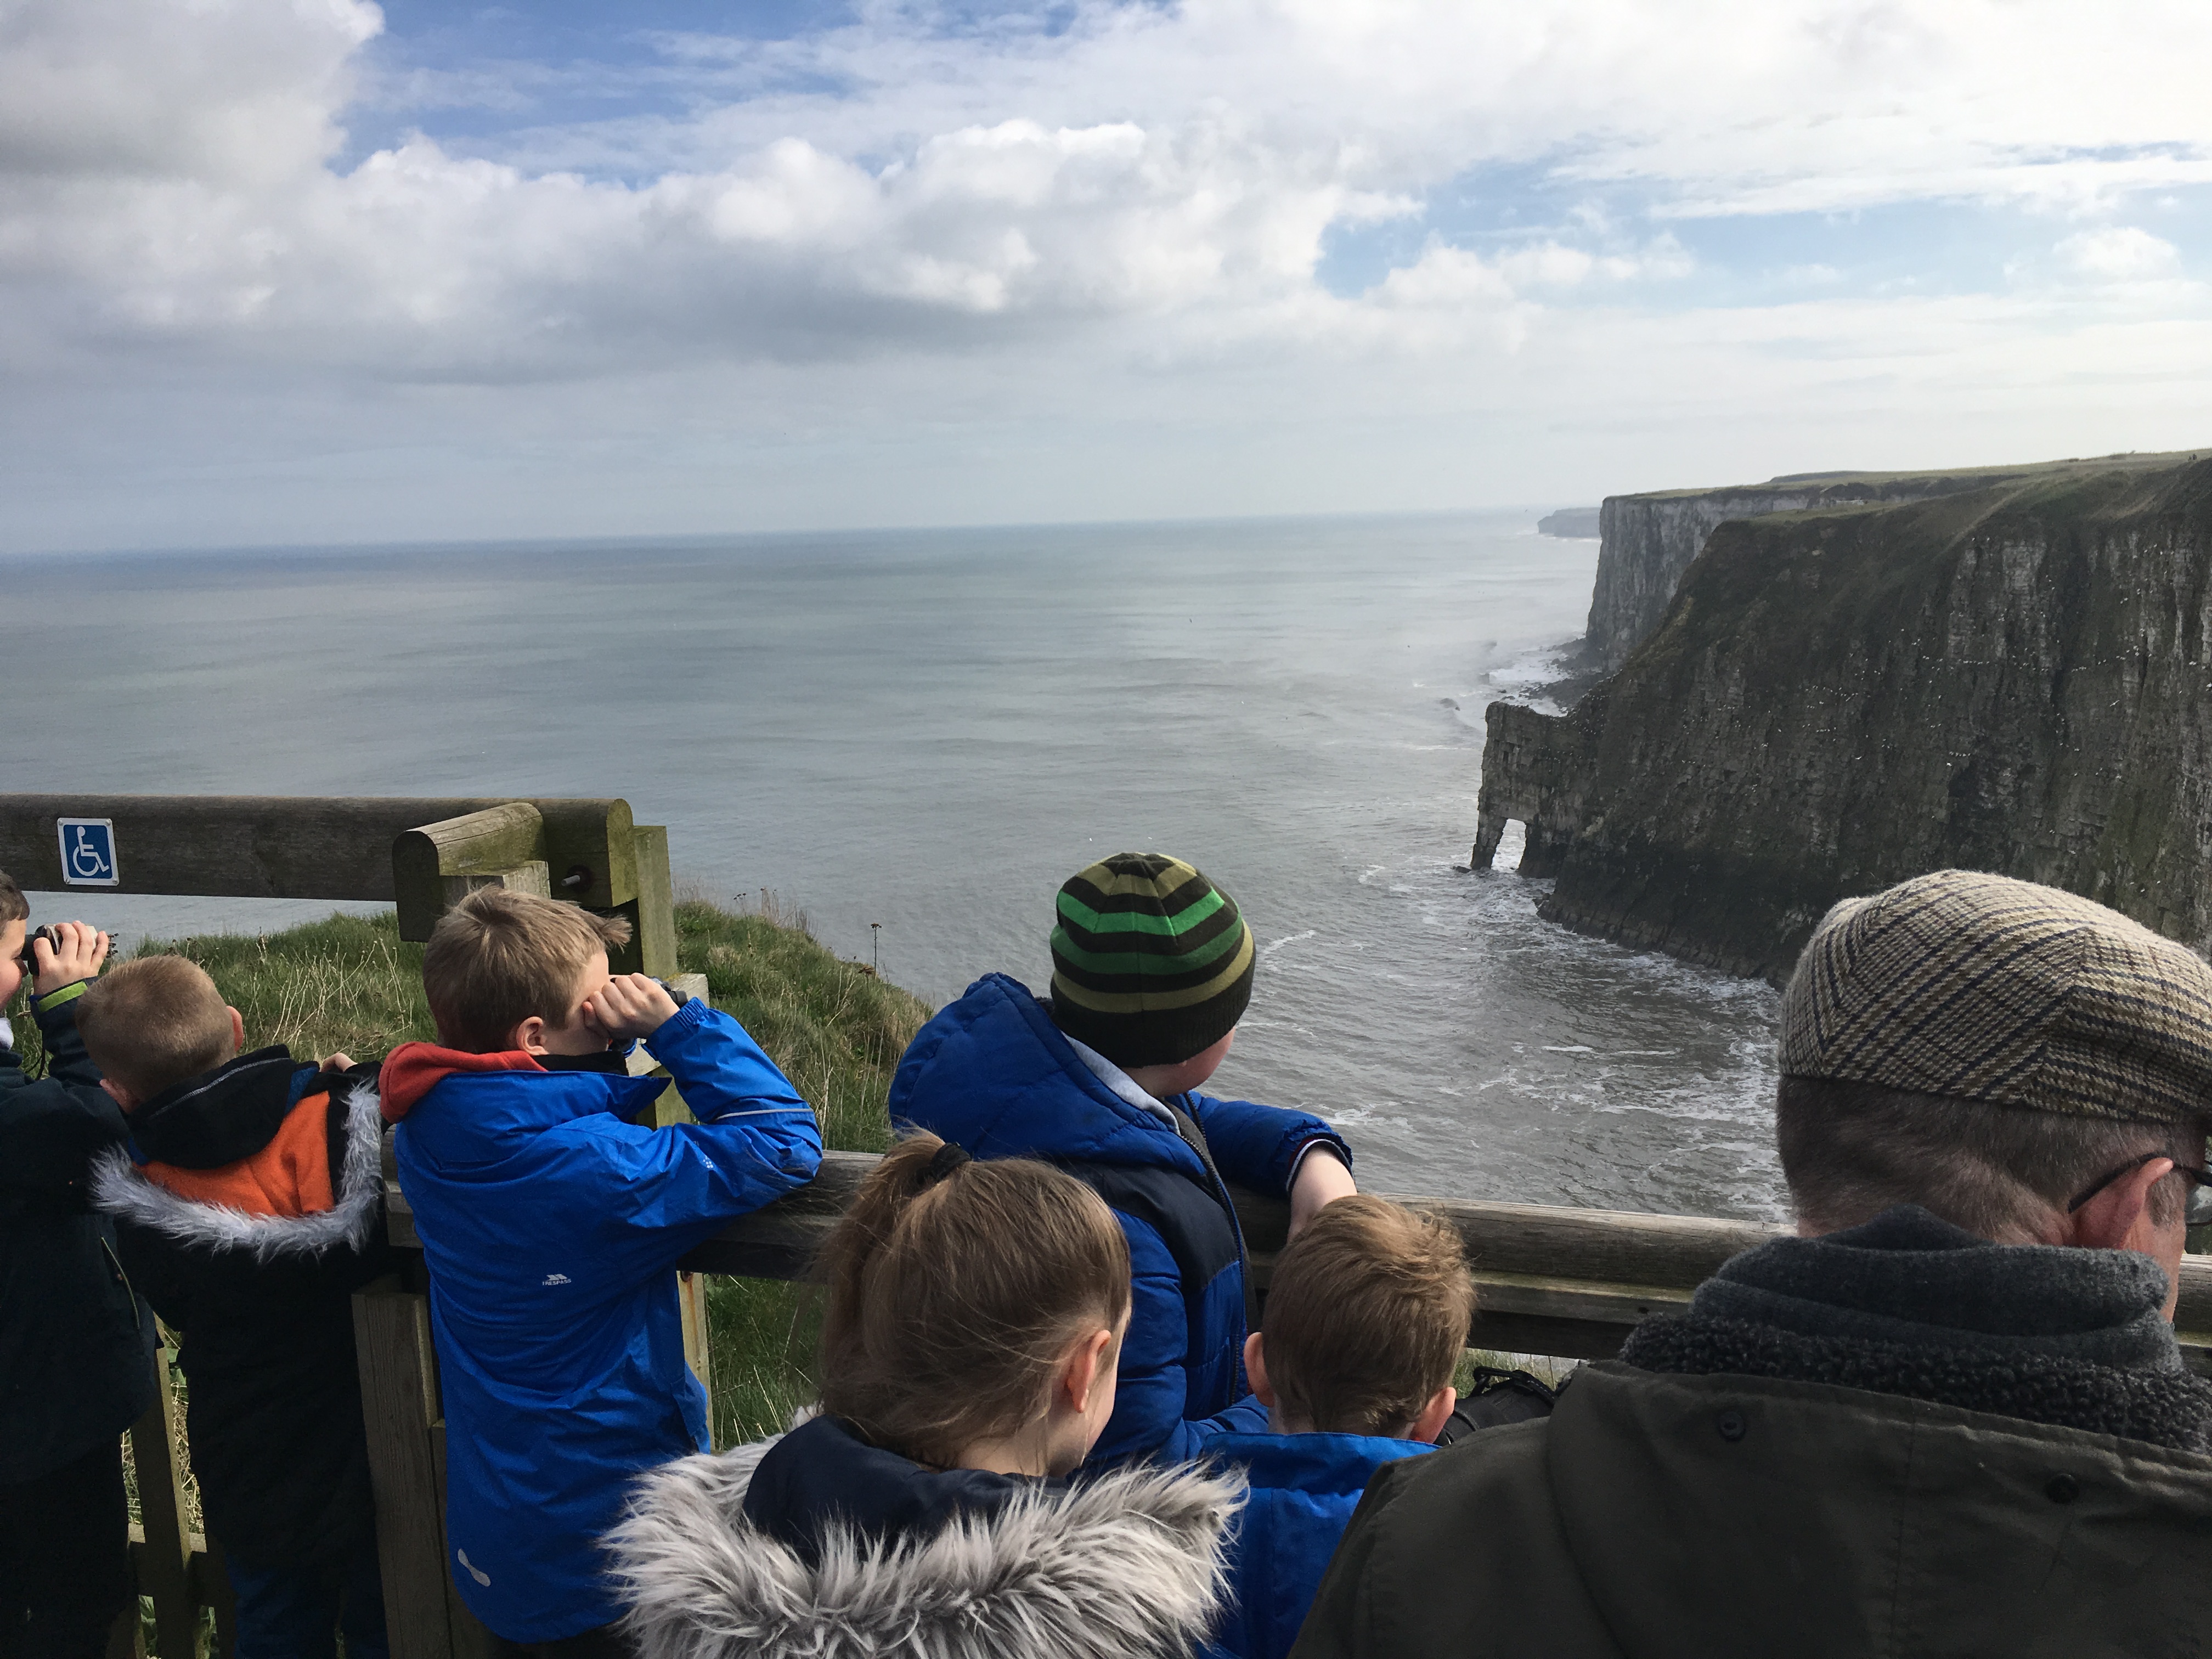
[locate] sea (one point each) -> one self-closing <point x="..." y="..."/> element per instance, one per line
<point x="914" y="736"/>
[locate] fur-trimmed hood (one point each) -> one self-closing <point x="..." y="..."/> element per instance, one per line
<point x="1125" y="1566"/>
<point x="353" y="1129"/>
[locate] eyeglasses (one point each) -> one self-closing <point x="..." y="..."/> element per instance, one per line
<point x="2196" y="1212"/>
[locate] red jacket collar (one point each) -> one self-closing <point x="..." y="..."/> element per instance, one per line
<point x="413" y="1069"/>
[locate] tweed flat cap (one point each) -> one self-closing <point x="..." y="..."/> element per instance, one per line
<point x="1983" y="987"/>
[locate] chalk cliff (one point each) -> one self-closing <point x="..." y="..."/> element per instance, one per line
<point x="2013" y="676"/>
<point x="1646" y="542"/>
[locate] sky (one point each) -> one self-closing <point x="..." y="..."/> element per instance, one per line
<point x="292" y="272"/>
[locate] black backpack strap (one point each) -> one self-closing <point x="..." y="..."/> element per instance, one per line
<point x="1194" y="1137"/>
<point x="1497" y="1397"/>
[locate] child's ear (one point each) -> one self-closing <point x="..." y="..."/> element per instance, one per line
<point x="121" y="1096"/>
<point x="528" y="1038"/>
<point x="237" y="1032"/>
<point x="1087" y="1369"/>
<point x="1256" y="1369"/>
<point x="1434" y="1415"/>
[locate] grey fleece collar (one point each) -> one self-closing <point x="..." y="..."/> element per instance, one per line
<point x="1910" y="1305"/>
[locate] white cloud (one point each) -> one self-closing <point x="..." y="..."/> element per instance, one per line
<point x="1130" y="213"/>
<point x="2119" y="253"/>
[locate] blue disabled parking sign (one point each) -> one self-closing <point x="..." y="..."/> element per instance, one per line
<point x="88" y="852"/>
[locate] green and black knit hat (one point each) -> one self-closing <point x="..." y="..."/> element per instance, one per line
<point x="1150" y="962"/>
<point x="1983" y="987"/>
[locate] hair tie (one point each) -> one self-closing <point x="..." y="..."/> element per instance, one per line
<point x="950" y="1156"/>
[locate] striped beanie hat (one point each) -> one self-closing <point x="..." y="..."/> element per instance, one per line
<point x="1981" y="987"/>
<point x="1150" y="962"/>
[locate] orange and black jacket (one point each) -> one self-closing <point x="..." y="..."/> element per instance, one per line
<point x="249" y="1206"/>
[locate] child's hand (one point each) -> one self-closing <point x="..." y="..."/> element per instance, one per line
<point x="78" y="955"/>
<point x="630" y="1006"/>
<point x="1321" y="1178"/>
<point x="339" y="1063"/>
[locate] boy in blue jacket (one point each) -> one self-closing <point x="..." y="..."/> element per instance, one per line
<point x="551" y="1226"/>
<point x="1367" y="1315"/>
<point x="1151" y="970"/>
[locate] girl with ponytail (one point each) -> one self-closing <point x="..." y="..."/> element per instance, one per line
<point x="975" y="1319"/>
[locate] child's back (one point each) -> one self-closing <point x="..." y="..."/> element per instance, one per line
<point x="248" y="1208"/>
<point x="1153" y="968"/>
<point x="551" y="1227"/>
<point x="927" y="1511"/>
<point x="1367" y="1313"/>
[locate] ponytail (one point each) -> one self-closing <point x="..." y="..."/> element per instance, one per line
<point x="954" y="1289"/>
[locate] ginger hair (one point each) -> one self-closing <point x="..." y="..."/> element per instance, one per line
<point x="498" y="958"/>
<point x="1367" y="1313"/>
<point x="155" y="1022"/>
<point x="953" y="1295"/>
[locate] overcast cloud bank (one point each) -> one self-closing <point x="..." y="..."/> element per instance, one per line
<point x="1213" y="257"/>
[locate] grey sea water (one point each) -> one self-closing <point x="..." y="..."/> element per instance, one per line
<point x="930" y="730"/>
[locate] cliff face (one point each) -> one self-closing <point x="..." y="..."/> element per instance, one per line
<point x="2011" y="677"/>
<point x="1646" y="542"/>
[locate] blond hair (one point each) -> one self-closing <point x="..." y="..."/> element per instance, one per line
<point x="497" y="957"/>
<point x="153" y="1022"/>
<point x="954" y="1288"/>
<point x="1367" y="1313"/>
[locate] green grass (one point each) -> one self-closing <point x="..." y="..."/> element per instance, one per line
<point x="349" y="984"/>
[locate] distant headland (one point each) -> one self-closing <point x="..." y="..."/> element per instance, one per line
<point x="1578" y="521"/>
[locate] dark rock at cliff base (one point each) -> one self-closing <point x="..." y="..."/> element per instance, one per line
<point x="1646" y="542"/>
<point x="2016" y="677"/>
<point x="1570" y="521"/>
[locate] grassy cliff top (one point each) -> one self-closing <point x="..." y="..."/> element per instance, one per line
<point x="1960" y="477"/>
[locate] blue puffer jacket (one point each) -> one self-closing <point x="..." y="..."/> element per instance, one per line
<point x="992" y="1072"/>
<point x="550" y="1226"/>
<point x="1303" y="1490"/>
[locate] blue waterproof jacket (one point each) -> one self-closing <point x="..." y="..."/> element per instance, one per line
<point x="992" y="1072"/>
<point x="551" y="1227"/>
<point x="1303" y="1490"/>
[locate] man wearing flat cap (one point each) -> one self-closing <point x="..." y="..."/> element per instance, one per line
<point x="1949" y="1417"/>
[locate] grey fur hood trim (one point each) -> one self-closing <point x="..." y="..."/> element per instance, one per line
<point x="121" y="1189"/>
<point x="1125" y="1566"/>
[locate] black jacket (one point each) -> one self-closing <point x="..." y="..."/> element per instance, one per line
<point x="1897" y="1440"/>
<point x="822" y="1475"/>
<point x="76" y="1347"/>
<point x="249" y="1206"/>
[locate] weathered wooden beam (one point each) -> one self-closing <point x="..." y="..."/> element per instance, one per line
<point x="399" y="1407"/>
<point x="165" y="1555"/>
<point x="1550" y="1279"/>
<point x="1616" y="1246"/>
<point x="227" y="846"/>
<point x="303" y="846"/>
<point x="431" y="860"/>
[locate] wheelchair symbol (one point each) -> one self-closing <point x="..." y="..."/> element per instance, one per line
<point x="88" y="852"/>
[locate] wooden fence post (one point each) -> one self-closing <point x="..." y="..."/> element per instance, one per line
<point x="400" y="1410"/>
<point x="656" y="903"/>
<point x="165" y="1551"/>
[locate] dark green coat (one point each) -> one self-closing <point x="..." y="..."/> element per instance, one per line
<point x="1664" y="1516"/>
